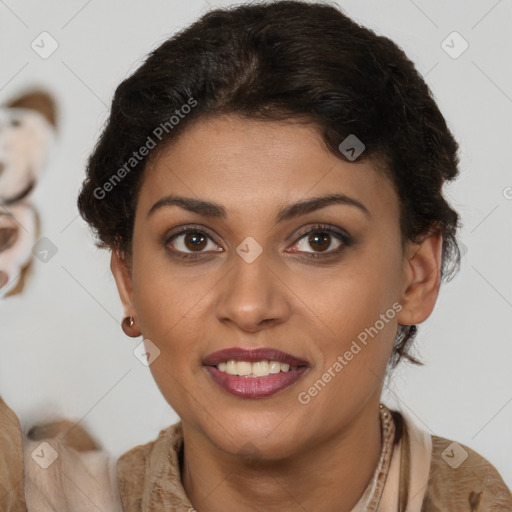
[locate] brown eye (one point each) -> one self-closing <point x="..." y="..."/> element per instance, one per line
<point x="189" y="241"/>
<point x="320" y="240"/>
<point x="195" y="241"/>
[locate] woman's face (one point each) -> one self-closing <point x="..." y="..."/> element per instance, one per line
<point x="321" y="283"/>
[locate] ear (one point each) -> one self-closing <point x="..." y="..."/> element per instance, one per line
<point x="120" y="267"/>
<point x="422" y="279"/>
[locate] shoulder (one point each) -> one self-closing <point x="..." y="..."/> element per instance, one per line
<point x="133" y="462"/>
<point x="12" y="496"/>
<point x="131" y="470"/>
<point x="135" y="466"/>
<point x="461" y="480"/>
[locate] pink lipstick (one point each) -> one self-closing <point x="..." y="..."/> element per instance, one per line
<point x="263" y="371"/>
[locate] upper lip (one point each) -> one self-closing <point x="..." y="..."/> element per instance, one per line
<point x="257" y="354"/>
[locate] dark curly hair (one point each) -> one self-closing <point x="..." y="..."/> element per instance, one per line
<point x="283" y="60"/>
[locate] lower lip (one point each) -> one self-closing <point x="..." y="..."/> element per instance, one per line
<point x="255" y="387"/>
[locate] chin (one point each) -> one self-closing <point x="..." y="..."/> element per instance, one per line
<point x="271" y="438"/>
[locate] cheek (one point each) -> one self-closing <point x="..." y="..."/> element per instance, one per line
<point x="354" y="295"/>
<point x="160" y="295"/>
<point x="167" y="318"/>
<point x="354" y="359"/>
<point x="170" y="307"/>
<point x="168" y="314"/>
<point x="359" y="305"/>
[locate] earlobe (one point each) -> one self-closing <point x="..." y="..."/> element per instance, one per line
<point x="422" y="279"/>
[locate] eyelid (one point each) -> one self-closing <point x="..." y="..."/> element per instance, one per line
<point x="320" y="227"/>
<point x="339" y="233"/>
<point x="191" y="228"/>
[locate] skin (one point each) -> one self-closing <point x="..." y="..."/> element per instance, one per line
<point x="311" y="308"/>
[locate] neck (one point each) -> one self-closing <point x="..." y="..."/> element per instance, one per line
<point x="330" y="475"/>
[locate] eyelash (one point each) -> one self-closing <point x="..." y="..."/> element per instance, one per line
<point x="318" y="228"/>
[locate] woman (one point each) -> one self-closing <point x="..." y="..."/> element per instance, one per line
<point x="269" y="184"/>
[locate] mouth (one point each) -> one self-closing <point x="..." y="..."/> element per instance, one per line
<point x="254" y="373"/>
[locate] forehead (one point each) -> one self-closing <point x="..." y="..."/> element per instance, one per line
<point x="245" y="163"/>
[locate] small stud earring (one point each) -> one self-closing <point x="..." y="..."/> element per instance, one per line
<point x="127" y="326"/>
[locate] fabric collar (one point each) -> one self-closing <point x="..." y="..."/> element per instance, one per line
<point x="398" y="484"/>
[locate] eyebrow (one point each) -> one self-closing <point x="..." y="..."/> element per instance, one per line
<point x="214" y="210"/>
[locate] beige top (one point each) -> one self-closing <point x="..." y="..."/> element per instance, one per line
<point x="416" y="472"/>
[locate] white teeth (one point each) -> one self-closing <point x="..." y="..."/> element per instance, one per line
<point x="260" y="368"/>
<point x="275" y="367"/>
<point x="243" y="368"/>
<point x="231" y="368"/>
<point x="256" y="369"/>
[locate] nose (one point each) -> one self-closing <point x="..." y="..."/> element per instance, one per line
<point x="251" y="295"/>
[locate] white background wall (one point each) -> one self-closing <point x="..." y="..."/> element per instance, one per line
<point x="61" y="347"/>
